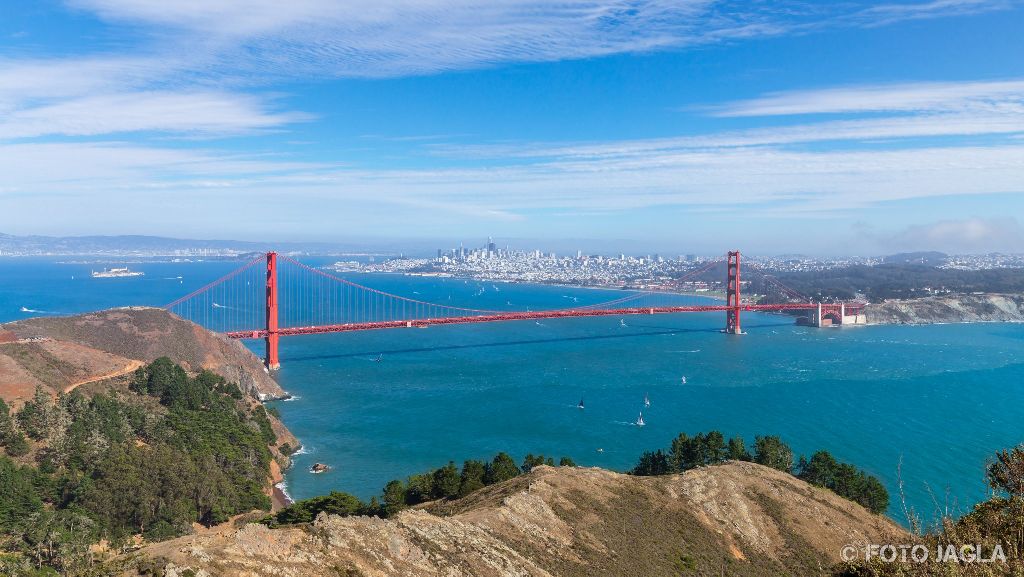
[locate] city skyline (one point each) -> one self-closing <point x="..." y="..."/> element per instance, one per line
<point x="862" y="128"/>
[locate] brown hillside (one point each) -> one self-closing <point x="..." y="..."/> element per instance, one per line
<point x="98" y="351"/>
<point x="118" y="335"/>
<point x="732" y="519"/>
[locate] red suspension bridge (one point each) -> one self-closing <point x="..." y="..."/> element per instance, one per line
<point x="274" y="296"/>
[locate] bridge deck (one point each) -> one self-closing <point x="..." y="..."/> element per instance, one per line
<point x="513" y="316"/>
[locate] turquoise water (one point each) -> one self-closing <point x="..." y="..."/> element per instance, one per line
<point x="939" y="399"/>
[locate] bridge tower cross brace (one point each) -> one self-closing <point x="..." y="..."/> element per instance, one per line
<point x="732" y="294"/>
<point x="272" y="360"/>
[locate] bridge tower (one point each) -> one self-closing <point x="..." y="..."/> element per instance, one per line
<point x="732" y="294"/>
<point x="272" y="360"/>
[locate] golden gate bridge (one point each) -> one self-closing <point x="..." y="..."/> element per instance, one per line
<point x="275" y="295"/>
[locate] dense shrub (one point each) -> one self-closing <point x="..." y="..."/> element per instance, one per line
<point x="845" y="480"/>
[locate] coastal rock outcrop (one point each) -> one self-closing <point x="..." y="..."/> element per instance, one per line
<point x="968" y="308"/>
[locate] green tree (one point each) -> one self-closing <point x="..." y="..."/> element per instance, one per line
<point x="566" y="462"/>
<point x="19" y="497"/>
<point x="1006" y="472"/>
<point x="682" y="453"/>
<point x="17" y="445"/>
<point x="714" y="448"/>
<point x="656" y="463"/>
<point x="162" y="378"/>
<point x="845" y="480"/>
<point x="446" y="482"/>
<point x="305" y="511"/>
<point x="419" y="488"/>
<point x="34" y="415"/>
<point x="60" y="539"/>
<point x="772" y="452"/>
<point x="6" y="423"/>
<point x="501" y="468"/>
<point x="393" y="499"/>
<point x="472" y="477"/>
<point x="737" y="450"/>
<point x="820" y="470"/>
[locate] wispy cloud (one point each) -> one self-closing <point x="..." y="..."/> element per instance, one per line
<point x="363" y="38"/>
<point x="197" y="113"/>
<point x="884" y="14"/>
<point x="739" y="179"/>
<point x="990" y="96"/>
<point x="1009" y="123"/>
<point x="202" y="57"/>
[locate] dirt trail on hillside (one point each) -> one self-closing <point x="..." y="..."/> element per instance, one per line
<point x="131" y="367"/>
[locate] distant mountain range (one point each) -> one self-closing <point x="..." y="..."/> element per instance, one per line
<point x="135" y="245"/>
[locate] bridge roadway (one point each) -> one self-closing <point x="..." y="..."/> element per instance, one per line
<point x="514" y="316"/>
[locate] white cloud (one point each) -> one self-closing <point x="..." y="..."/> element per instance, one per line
<point x="202" y="113"/>
<point x="914" y="97"/>
<point x="201" y="54"/>
<point x="1009" y="123"/>
<point x="734" y="179"/>
<point x="883" y="14"/>
<point x="977" y="235"/>
<point x="365" y="38"/>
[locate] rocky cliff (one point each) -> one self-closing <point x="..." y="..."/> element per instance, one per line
<point x="732" y="519"/>
<point x="948" y="309"/>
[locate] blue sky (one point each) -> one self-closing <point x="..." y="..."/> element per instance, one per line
<point x="675" y="126"/>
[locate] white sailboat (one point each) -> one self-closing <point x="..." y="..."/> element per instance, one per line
<point x="684" y="380"/>
<point x="647" y="400"/>
<point x="640" y="420"/>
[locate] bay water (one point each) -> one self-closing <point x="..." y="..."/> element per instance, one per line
<point x="925" y="404"/>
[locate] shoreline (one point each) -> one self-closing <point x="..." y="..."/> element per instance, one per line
<point x="617" y="288"/>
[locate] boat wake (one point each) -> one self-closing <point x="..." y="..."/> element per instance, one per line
<point x="36" y="311"/>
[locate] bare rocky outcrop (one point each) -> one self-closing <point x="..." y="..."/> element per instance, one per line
<point x="970" y="308"/>
<point x="736" y="519"/>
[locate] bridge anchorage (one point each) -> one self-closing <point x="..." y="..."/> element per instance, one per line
<point x="274" y="296"/>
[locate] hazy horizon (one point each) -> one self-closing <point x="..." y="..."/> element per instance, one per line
<point x="426" y="247"/>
